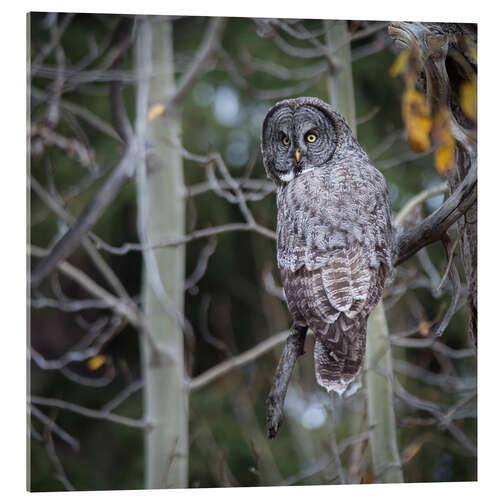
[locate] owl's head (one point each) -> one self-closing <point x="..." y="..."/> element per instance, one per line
<point x="299" y="135"/>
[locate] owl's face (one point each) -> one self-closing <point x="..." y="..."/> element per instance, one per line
<point x="297" y="139"/>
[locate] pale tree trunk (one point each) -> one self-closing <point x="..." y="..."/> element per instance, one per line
<point x="340" y="85"/>
<point x="160" y="216"/>
<point x="381" y="418"/>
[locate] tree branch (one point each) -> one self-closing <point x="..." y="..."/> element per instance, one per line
<point x="72" y="238"/>
<point x="88" y="412"/>
<point x="237" y="361"/>
<point x="294" y="347"/>
<point x="94" y="289"/>
<point x="433" y="227"/>
<point x="199" y="64"/>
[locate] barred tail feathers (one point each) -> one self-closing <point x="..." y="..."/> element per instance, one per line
<point x="339" y="353"/>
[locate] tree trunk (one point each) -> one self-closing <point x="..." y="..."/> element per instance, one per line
<point x="383" y="441"/>
<point x="381" y="419"/>
<point x="161" y="215"/>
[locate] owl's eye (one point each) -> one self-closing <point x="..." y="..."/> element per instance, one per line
<point x="311" y="137"/>
<point x="285" y="140"/>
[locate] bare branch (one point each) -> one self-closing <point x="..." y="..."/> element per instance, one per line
<point x="52" y="44"/>
<point x="435" y="345"/>
<point x="70" y="440"/>
<point x="181" y="240"/>
<point x="51" y="452"/>
<point x="81" y="112"/>
<point x="435" y="225"/>
<point x="93" y="288"/>
<point x="199" y="65"/>
<point x="77" y="354"/>
<point x="455" y="283"/>
<point x="96" y="257"/>
<point x="418" y="200"/>
<point x="294" y="347"/>
<point x="122" y="396"/>
<point x="90" y="413"/>
<point x="121" y="121"/>
<point x="73" y="237"/>
<point x="201" y="265"/>
<point x="237" y="361"/>
<point x="260" y="188"/>
<point x="71" y="146"/>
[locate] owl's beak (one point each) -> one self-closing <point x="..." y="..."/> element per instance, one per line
<point x="297" y="154"/>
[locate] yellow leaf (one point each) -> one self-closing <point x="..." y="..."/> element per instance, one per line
<point x="96" y="362"/>
<point x="468" y="99"/>
<point x="155" y="111"/>
<point x="444" y="157"/>
<point x="399" y="63"/>
<point x="417" y="118"/>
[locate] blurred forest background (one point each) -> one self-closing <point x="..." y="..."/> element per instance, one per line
<point x="88" y="407"/>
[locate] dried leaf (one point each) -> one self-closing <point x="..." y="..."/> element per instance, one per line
<point x="399" y="64"/>
<point x="444" y="157"/>
<point x="96" y="362"/>
<point x="410" y="451"/>
<point x="417" y="118"/>
<point x="155" y="111"/>
<point x="468" y="99"/>
<point x="423" y="327"/>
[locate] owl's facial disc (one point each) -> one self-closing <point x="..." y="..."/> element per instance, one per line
<point x="300" y="140"/>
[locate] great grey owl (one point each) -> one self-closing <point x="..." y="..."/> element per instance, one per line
<point x="335" y="232"/>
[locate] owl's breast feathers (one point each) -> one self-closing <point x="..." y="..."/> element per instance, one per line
<point x="334" y="207"/>
<point x="335" y="240"/>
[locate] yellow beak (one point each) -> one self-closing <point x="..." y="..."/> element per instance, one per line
<point x="297" y="155"/>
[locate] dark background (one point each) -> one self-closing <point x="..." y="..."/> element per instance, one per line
<point x="231" y="302"/>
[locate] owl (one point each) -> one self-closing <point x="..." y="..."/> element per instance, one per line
<point x="335" y="235"/>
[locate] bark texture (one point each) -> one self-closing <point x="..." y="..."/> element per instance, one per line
<point x="445" y="59"/>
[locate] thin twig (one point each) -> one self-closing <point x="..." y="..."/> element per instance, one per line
<point x="204" y="53"/>
<point x="181" y="240"/>
<point x="237" y="361"/>
<point x="98" y="260"/>
<point x="93" y="288"/>
<point x="90" y="413"/>
<point x="73" y="237"/>
<point x="418" y="200"/>
<point x="67" y="438"/>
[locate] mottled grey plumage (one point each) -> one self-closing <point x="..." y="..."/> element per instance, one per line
<point x="335" y="233"/>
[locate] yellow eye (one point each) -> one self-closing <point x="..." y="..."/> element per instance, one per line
<point x="311" y="137"/>
<point x="286" y="140"/>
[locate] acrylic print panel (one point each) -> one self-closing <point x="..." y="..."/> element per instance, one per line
<point x="157" y="311"/>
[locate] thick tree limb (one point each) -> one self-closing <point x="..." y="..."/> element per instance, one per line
<point x="294" y="347"/>
<point x="433" y="227"/>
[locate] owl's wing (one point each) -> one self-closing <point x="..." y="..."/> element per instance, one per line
<point x="319" y="296"/>
<point x="335" y="301"/>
